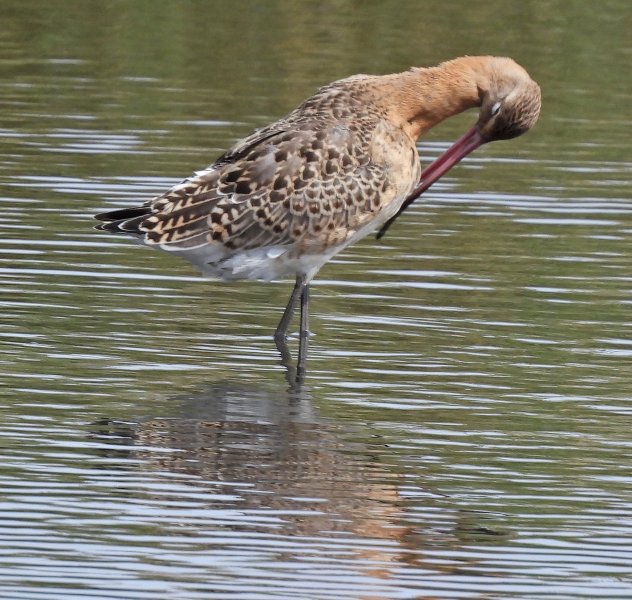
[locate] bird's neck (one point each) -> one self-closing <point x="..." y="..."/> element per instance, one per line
<point x="422" y="98"/>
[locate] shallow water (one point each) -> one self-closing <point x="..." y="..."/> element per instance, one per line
<point x="464" y="431"/>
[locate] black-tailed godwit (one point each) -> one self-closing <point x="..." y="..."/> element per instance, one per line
<point x="284" y="200"/>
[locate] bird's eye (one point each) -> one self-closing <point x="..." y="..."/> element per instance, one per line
<point x="495" y="108"/>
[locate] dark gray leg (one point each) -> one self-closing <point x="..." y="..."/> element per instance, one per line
<point x="281" y="330"/>
<point x="301" y="290"/>
<point x="304" y="333"/>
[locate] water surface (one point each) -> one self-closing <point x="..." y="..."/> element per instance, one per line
<point x="464" y="431"/>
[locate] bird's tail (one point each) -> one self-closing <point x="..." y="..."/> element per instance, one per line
<point x="123" y="220"/>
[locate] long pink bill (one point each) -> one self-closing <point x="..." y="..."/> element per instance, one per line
<point x="467" y="143"/>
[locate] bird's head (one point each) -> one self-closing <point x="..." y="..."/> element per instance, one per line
<point x="510" y="101"/>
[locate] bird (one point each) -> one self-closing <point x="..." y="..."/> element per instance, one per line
<point x="284" y="200"/>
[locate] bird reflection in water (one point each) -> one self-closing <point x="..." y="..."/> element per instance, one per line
<point x="267" y="457"/>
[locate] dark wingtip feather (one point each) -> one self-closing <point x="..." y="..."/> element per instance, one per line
<point x="123" y="214"/>
<point x="123" y="220"/>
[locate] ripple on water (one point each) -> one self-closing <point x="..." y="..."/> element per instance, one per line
<point x="246" y="487"/>
<point x="463" y="432"/>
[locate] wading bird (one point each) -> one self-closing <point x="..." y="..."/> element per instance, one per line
<point x="284" y="200"/>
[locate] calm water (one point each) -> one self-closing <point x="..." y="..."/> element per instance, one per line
<point x="465" y="427"/>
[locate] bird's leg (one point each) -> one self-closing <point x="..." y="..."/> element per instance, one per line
<point x="301" y="290"/>
<point x="281" y="330"/>
<point x="304" y="332"/>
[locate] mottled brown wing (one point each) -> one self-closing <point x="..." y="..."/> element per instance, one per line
<point x="311" y="187"/>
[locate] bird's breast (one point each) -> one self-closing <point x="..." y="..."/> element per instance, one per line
<point x="397" y="152"/>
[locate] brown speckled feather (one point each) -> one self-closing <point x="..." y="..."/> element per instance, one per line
<point x="310" y="180"/>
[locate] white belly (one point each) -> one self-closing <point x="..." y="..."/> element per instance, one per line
<point x="269" y="262"/>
